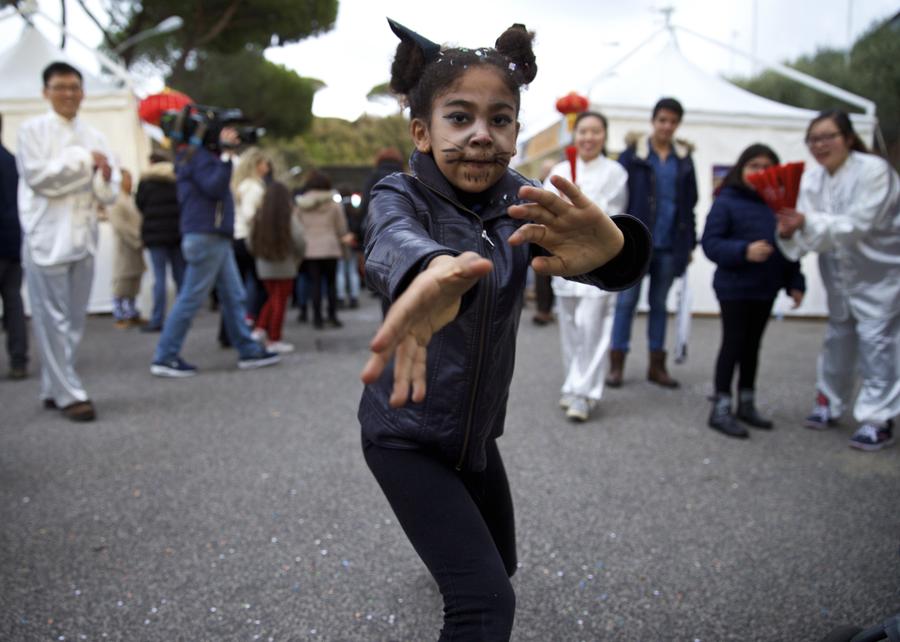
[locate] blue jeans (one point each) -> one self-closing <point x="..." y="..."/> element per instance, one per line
<point x="210" y="262"/>
<point x="160" y="255"/>
<point x="347" y="282"/>
<point x="662" y="273"/>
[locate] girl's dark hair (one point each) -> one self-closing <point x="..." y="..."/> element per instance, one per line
<point x="418" y="81"/>
<point x="317" y="180"/>
<point x="735" y="176"/>
<point x="844" y="125"/>
<point x="598" y="116"/>
<point x="270" y="235"/>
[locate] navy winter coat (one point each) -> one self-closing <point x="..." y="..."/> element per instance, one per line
<point x="642" y="195"/>
<point x="737" y="218"/>
<point x="204" y="193"/>
<point x="414" y="218"/>
<point x="10" y="229"/>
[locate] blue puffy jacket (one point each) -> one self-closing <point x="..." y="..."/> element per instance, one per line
<point x="414" y="218"/>
<point x="737" y="218"/>
<point x="204" y="193"/>
<point x="642" y="194"/>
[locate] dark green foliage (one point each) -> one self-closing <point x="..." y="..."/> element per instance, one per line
<point x="333" y="141"/>
<point x="871" y="70"/>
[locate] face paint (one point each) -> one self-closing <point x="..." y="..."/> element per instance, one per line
<point x="473" y="130"/>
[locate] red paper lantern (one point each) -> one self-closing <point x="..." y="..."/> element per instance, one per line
<point x="152" y="107"/>
<point x="571" y="105"/>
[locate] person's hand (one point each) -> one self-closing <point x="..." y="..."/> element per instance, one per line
<point x="229" y="137"/>
<point x="101" y="164"/>
<point x="349" y="239"/>
<point x="789" y="221"/>
<point x="576" y="232"/>
<point x="430" y="302"/>
<point x="797" y="296"/>
<point x="759" y="251"/>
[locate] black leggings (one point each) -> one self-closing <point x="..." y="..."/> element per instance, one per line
<point x="461" y="525"/>
<point x="743" y="324"/>
<point x="317" y="270"/>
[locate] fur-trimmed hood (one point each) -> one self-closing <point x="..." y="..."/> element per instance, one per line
<point x="641" y="143"/>
<point x="314" y="198"/>
<point x="162" y="171"/>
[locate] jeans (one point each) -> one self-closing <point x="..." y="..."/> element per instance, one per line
<point x="210" y="262"/>
<point x="13" y="312"/>
<point x="160" y="255"/>
<point x="461" y="525"/>
<point x="662" y="274"/>
<point x="347" y="278"/>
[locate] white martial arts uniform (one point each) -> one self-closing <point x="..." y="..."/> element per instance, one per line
<point x="59" y="192"/>
<point x="853" y="222"/>
<point x="586" y="312"/>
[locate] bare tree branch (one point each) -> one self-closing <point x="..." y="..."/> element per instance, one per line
<point x="221" y="23"/>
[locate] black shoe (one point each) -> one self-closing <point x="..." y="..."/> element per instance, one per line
<point x="722" y="420"/>
<point x="301" y="317"/>
<point x="354" y="303"/>
<point x="334" y="323"/>
<point x="151" y="328"/>
<point x="748" y="414"/>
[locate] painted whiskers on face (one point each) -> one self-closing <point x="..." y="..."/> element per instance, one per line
<point x="456" y="154"/>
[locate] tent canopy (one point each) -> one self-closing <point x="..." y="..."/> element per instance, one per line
<point x="640" y="79"/>
<point x="22" y="64"/>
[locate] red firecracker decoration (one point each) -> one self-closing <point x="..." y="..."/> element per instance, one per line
<point x="570" y="106"/>
<point x="152" y="107"/>
<point x="779" y="185"/>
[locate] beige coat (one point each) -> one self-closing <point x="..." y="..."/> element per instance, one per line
<point x="128" y="260"/>
<point x="323" y="224"/>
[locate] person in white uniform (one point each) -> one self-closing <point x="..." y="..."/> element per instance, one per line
<point x="586" y="312"/>
<point x="849" y="212"/>
<point x="65" y="172"/>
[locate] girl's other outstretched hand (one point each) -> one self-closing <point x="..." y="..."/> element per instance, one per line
<point x="430" y="302"/>
<point x="576" y="232"/>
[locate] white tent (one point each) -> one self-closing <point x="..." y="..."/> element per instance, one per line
<point x="108" y="107"/>
<point x="720" y="120"/>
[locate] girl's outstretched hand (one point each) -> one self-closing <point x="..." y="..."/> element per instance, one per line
<point x="430" y="302"/>
<point x="576" y="232"/>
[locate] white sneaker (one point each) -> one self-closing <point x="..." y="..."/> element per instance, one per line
<point x="580" y="409"/>
<point x="258" y="335"/>
<point x="280" y="347"/>
<point x="565" y="401"/>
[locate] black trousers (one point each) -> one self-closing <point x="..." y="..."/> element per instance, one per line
<point x="543" y="292"/>
<point x="317" y="270"/>
<point x="461" y="525"/>
<point x="13" y="312"/>
<point x="743" y="324"/>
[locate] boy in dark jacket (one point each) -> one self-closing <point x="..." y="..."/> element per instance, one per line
<point x="662" y="192"/>
<point x="11" y="266"/>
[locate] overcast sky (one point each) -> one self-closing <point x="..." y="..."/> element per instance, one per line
<point x="576" y="40"/>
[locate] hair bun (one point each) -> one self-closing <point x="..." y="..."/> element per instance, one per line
<point x="516" y="44"/>
<point x="407" y="68"/>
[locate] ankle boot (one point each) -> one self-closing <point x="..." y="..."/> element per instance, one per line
<point x="747" y="411"/>
<point x="616" y="368"/>
<point x="722" y="420"/>
<point x="657" y="371"/>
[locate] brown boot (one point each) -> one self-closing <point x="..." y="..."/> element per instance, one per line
<point x="616" y="368"/>
<point x="657" y="371"/>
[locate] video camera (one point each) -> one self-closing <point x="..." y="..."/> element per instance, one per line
<point x="201" y="125"/>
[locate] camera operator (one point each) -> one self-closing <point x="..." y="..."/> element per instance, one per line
<point x="207" y="226"/>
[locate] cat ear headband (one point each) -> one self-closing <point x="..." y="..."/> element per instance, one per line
<point x="431" y="50"/>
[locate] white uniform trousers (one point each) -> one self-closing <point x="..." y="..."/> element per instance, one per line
<point x="59" y="298"/>
<point x="872" y="348"/>
<point x="585" y="331"/>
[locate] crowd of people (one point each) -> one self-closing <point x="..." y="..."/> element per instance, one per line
<point x="448" y="246"/>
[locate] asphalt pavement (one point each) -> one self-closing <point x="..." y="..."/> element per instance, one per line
<point x="236" y="505"/>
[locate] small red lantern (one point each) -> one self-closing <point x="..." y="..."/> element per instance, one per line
<point x="152" y="107"/>
<point x="570" y="106"/>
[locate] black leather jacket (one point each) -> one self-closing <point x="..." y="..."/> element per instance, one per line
<point x="414" y="218"/>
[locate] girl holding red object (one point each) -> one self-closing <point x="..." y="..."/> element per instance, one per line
<point x="739" y="238"/>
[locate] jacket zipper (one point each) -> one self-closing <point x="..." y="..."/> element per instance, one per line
<point x="482" y="329"/>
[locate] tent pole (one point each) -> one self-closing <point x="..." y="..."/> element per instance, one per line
<point x="804" y="79"/>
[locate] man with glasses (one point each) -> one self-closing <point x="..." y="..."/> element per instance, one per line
<point x="65" y="173"/>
